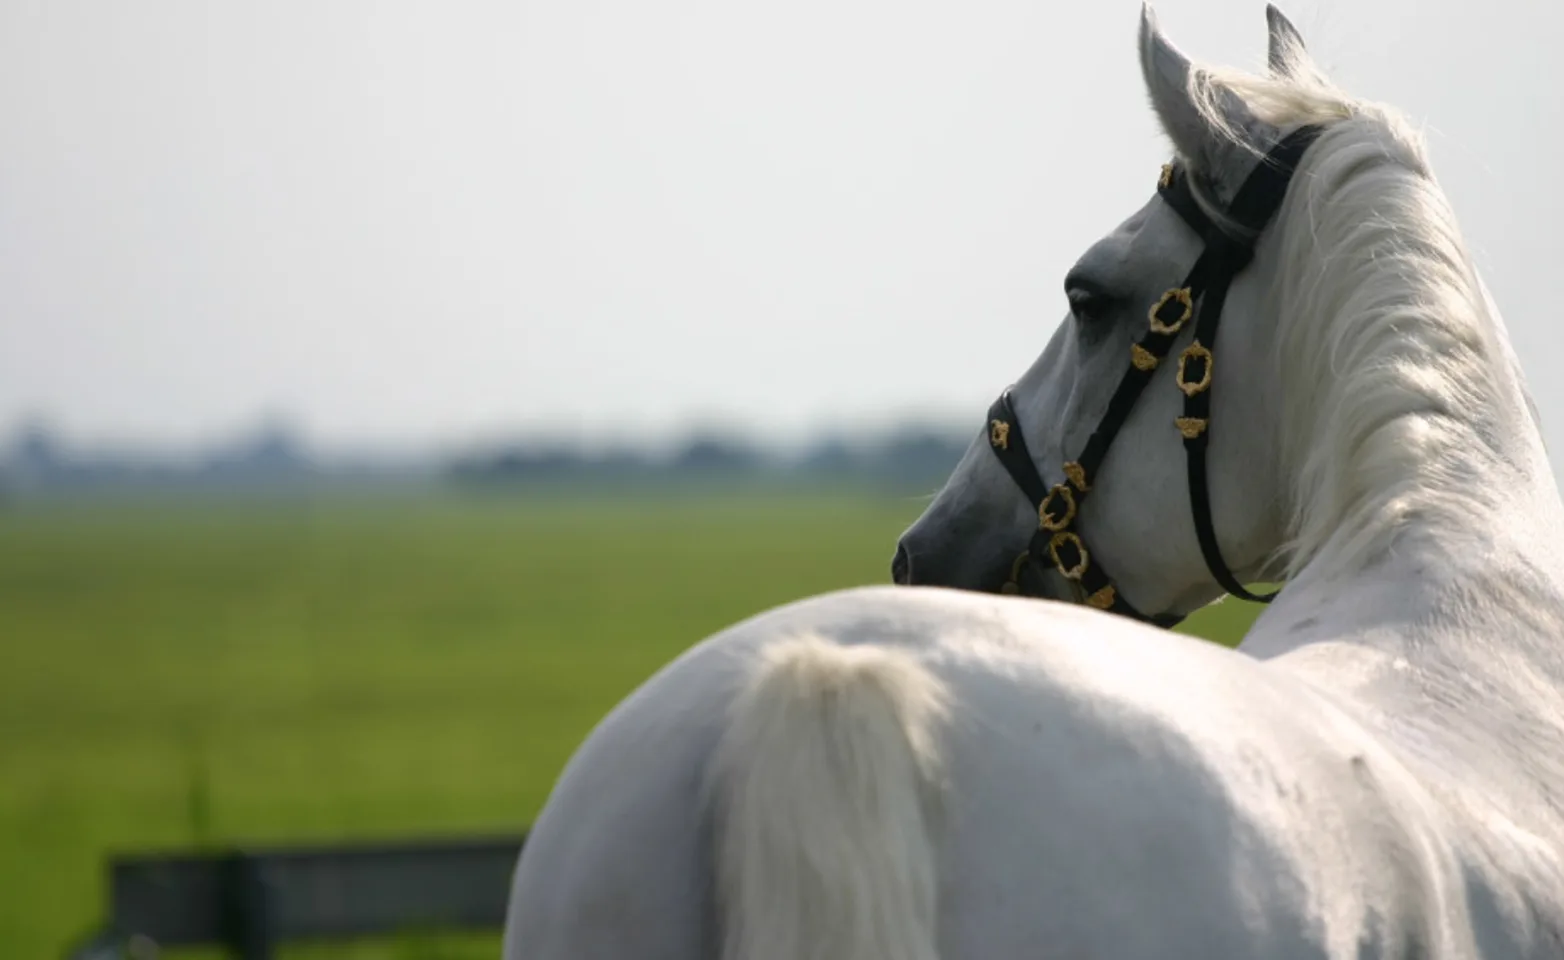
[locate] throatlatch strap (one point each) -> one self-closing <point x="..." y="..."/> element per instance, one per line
<point x="1256" y="203"/>
<point x="1196" y="369"/>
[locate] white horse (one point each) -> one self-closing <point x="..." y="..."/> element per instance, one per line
<point x="1378" y="772"/>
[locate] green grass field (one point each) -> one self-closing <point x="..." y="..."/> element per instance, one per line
<point x="296" y="671"/>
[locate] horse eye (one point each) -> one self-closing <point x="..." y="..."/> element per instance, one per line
<point x="1086" y="304"/>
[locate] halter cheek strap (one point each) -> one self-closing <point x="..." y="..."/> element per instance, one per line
<point x="1200" y="298"/>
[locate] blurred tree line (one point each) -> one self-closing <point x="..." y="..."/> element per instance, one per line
<point x="272" y="458"/>
<point x="908" y="459"/>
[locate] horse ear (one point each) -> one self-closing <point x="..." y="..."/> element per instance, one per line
<point x="1216" y="136"/>
<point x="1286" y="51"/>
<point x="1167" y="75"/>
<point x="1166" y="72"/>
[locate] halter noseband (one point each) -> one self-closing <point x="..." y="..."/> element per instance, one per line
<point x="1199" y="298"/>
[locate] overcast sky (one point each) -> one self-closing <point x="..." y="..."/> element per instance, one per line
<point x="413" y="223"/>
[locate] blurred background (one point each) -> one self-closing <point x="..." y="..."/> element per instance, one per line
<point x="387" y="388"/>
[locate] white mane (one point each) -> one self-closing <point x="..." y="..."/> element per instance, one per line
<point x="1397" y="376"/>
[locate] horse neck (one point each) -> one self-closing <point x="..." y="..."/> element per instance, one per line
<point x="1442" y="625"/>
<point x="1449" y="641"/>
<point x="1423" y="514"/>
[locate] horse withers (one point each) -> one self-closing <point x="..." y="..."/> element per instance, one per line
<point x="918" y="772"/>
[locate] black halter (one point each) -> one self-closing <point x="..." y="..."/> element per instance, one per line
<point x="1199" y="298"/>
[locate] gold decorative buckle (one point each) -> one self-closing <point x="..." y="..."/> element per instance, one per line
<point x="1102" y="599"/>
<point x="1143" y="359"/>
<point x="1180" y="295"/>
<point x="1047" y="517"/>
<point x="1194" y="351"/>
<point x="1066" y="538"/>
<point x="999" y="434"/>
<point x="1190" y="427"/>
<point x="1077" y="475"/>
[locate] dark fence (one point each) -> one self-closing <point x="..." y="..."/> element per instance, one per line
<point x="255" y="900"/>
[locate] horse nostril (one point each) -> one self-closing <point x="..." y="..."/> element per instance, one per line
<point x="901" y="567"/>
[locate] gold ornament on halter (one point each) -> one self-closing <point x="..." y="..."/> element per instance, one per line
<point x="1102" y="599"/>
<point x="1077" y="475"/>
<point x="1164" y="180"/>
<point x="998" y="434"/>
<point x="1190" y="427"/>
<point x="1181" y="296"/>
<point x="1079" y="570"/>
<point x="1143" y="359"/>
<point x="1046" y="517"/>
<point x="1013" y="585"/>
<point x="1194" y="351"/>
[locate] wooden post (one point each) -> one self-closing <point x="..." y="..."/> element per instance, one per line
<point x="251" y="908"/>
